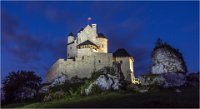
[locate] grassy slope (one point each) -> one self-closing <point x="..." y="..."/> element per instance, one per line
<point x="164" y="98"/>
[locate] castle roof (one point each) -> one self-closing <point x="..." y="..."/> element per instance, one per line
<point x="87" y="42"/>
<point x="121" y="52"/>
<point x="70" y="34"/>
<point x="101" y="35"/>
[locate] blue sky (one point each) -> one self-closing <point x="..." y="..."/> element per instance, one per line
<point x="34" y="34"/>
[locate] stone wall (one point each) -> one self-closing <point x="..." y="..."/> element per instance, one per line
<point x="81" y="67"/>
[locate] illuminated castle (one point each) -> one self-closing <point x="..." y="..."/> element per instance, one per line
<point x="88" y="52"/>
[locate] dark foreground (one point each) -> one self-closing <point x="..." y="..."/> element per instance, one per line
<point x="188" y="98"/>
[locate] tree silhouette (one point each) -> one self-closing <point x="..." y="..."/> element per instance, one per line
<point x="159" y="42"/>
<point x="17" y="83"/>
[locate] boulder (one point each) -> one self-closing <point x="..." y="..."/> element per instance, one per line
<point x="192" y="80"/>
<point x="44" y="89"/>
<point x="164" y="80"/>
<point x="59" y="80"/>
<point x="151" y="79"/>
<point x="178" y="91"/>
<point x="174" y="80"/>
<point x="143" y="90"/>
<point x="104" y="82"/>
<point x="110" y="78"/>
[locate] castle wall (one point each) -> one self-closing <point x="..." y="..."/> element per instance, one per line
<point x="84" y="52"/>
<point x="81" y="67"/>
<point x="102" y="60"/>
<point x="127" y="67"/>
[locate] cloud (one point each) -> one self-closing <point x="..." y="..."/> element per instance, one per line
<point x="18" y="41"/>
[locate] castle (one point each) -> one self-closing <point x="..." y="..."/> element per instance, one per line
<point x="88" y="52"/>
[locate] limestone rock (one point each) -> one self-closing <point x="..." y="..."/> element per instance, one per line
<point x="151" y="79"/>
<point x="164" y="80"/>
<point x="178" y="91"/>
<point x="59" y="81"/>
<point x="109" y="79"/>
<point x="44" y="89"/>
<point x="104" y="83"/>
<point x="193" y="79"/>
<point x="174" y="80"/>
<point x="143" y="90"/>
<point x="166" y="59"/>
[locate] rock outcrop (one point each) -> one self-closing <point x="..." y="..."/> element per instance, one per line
<point x="104" y="82"/>
<point x="59" y="80"/>
<point x="107" y="80"/>
<point x="165" y="80"/>
<point x="193" y="80"/>
<point x="166" y="59"/>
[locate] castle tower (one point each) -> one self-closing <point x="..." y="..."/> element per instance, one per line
<point x="70" y="38"/>
<point x="103" y="43"/>
<point x="127" y="63"/>
<point x="71" y="49"/>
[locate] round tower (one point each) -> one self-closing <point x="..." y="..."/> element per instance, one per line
<point x="103" y="43"/>
<point x="70" y="38"/>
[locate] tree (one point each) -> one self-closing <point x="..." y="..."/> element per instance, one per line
<point x="159" y="42"/>
<point x="20" y="85"/>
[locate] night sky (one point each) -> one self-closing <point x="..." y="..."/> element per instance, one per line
<point x="34" y="34"/>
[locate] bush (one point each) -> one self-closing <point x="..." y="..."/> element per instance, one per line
<point x="95" y="90"/>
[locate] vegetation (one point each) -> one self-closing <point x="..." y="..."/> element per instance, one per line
<point x="189" y="97"/>
<point x="70" y="94"/>
<point x="19" y="86"/>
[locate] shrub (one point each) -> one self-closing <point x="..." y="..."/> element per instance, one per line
<point x="73" y="92"/>
<point x="95" y="90"/>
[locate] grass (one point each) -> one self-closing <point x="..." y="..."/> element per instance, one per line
<point x="188" y="98"/>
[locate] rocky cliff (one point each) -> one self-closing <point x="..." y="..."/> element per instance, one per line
<point x="166" y="59"/>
